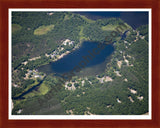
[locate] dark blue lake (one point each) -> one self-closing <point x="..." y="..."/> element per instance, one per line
<point x="133" y="18"/>
<point x="68" y="62"/>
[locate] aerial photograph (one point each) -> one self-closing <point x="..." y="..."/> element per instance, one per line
<point x="79" y="62"/>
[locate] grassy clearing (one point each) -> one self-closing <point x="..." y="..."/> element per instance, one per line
<point x="81" y="34"/>
<point x="43" y="89"/>
<point x="16" y="27"/>
<point x="113" y="27"/>
<point x="109" y="27"/>
<point x="66" y="17"/>
<point x="88" y="20"/>
<point x="43" y="29"/>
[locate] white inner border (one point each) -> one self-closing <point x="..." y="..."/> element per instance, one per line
<point x="80" y="117"/>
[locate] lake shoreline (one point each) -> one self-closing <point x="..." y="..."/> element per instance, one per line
<point x="68" y="61"/>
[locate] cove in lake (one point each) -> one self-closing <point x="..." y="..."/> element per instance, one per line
<point x="68" y="62"/>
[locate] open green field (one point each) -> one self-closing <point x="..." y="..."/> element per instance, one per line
<point x="109" y="27"/>
<point x="42" y="90"/>
<point x="16" y="27"/>
<point x="81" y="34"/>
<point x="43" y="29"/>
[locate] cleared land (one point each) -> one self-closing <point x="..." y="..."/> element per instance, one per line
<point x="43" y="29"/>
<point x="16" y="27"/>
<point x="42" y="90"/>
<point x="111" y="27"/>
<point x="81" y="34"/>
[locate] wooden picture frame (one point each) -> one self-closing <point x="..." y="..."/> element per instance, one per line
<point x="5" y="5"/>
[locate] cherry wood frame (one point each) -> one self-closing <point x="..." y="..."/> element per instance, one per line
<point x="6" y="4"/>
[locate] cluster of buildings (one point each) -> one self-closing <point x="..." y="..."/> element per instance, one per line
<point x="31" y="74"/>
<point x="68" y="42"/>
<point x="61" y="48"/>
